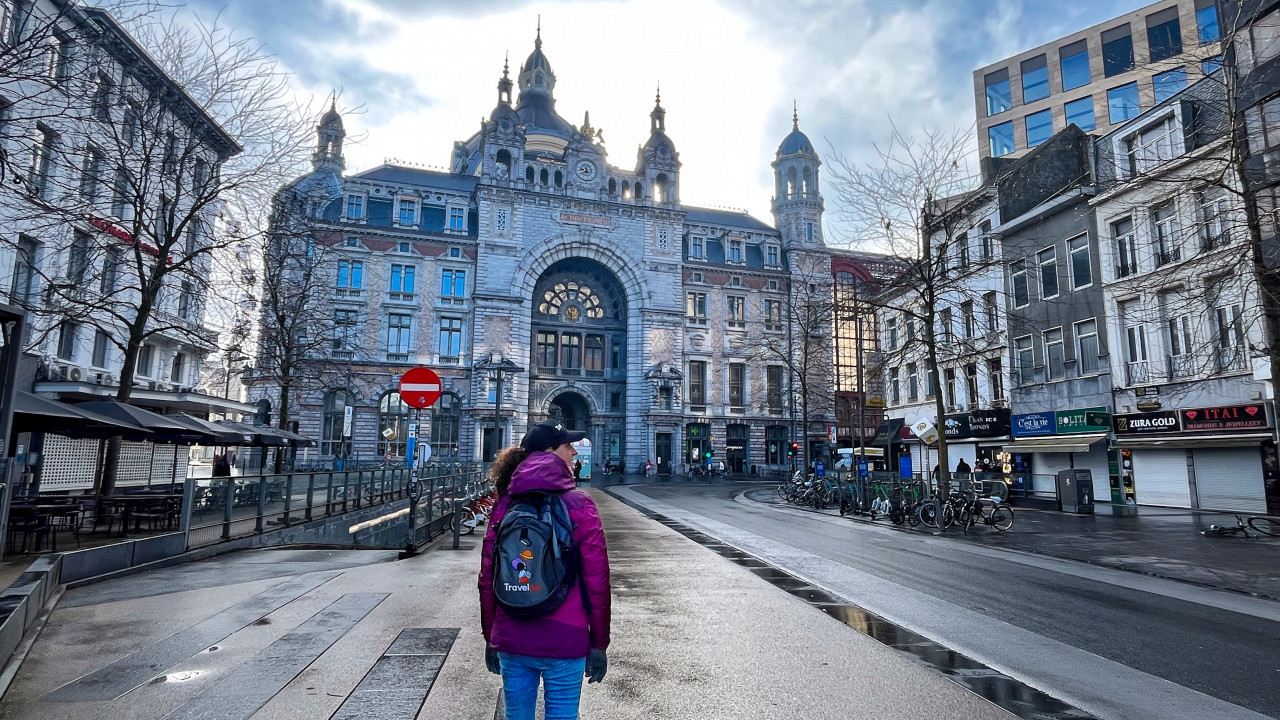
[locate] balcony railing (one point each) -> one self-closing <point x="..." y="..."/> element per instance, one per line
<point x="696" y="320"/>
<point x="343" y="354"/>
<point x="1181" y="366"/>
<point x="1214" y="241"/>
<point x="1138" y="372"/>
<point x="1231" y="358"/>
<point x="401" y="297"/>
<point x="345" y="292"/>
<point x="1168" y="256"/>
<point x="398" y="357"/>
<point x="1126" y="269"/>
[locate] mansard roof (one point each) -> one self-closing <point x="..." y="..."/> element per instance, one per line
<point x="727" y="218"/>
<point x="418" y="176"/>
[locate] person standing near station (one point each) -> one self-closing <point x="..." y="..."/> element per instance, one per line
<point x="569" y="641"/>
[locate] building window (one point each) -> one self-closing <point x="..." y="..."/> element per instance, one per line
<point x="110" y="269"/>
<point x="771" y="254"/>
<point x="186" y="301"/>
<point x="1087" y="349"/>
<point x="1167" y="84"/>
<point x="998" y="97"/>
<point x="735" y="251"/>
<point x="697" y="382"/>
<point x="995" y="372"/>
<point x="913" y="383"/>
<point x="1021" y="293"/>
<point x="891" y="333"/>
<point x="1047" y="259"/>
<point x="67" y="332"/>
<point x="1122" y="103"/>
<point x="1080" y="267"/>
<point x="146" y="360"/>
<point x="78" y="256"/>
<point x="808" y="232"/>
<point x="970" y="322"/>
<point x="393" y="424"/>
<point x="773" y="386"/>
<point x="1164" y="34"/>
<point x="345" y="323"/>
<point x="501" y="219"/>
<point x="696" y="307"/>
<point x="1001" y="139"/>
<point x="1213" y="219"/>
<point x="1054" y="357"/>
<point x="1211" y="65"/>
<point x="91" y="179"/>
<point x="350" y="273"/>
<point x="457" y="219"/>
<point x="399" y="327"/>
<point x="1117" y="51"/>
<point x="547" y="350"/>
<point x="737" y="384"/>
<point x="402" y="278"/>
<point x="617" y="354"/>
<point x="1026" y="360"/>
<point x="895" y="386"/>
<point x="971" y="383"/>
<point x="1207" y="22"/>
<point x="772" y="314"/>
<point x="615" y="401"/>
<point x="453" y="283"/>
<point x="42" y="159"/>
<point x="1135" y="344"/>
<point x="593" y="355"/>
<point x="177" y="372"/>
<point x="962" y="251"/>
<point x="1035" y="79"/>
<point x="446" y="416"/>
<point x="910" y="329"/>
<point x="992" y="311"/>
<point x="450" y="337"/>
<point x="944" y="325"/>
<point x="100" y="340"/>
<point x="777" y="439"/>
<point x="1074" y="60"/>
<point x="666" y="399"/>
<point x="1080" y="113"/>
<point x="988" y="242"/>
<point x="1039" y="127"/>
<point x="696" y="247"/>
<point x="103" y="91"/>
<point x="570" y="351"/>
<point x="408" y="209"/>
<point x="736" y="308"/>
<point x="355" y="207"/>
<point x="333" y="420"/>
<point x="1126" y="247"/>
<point x="1164" y="235"/>
<point x="949" y="387"/>
<point x="664" y="239"/>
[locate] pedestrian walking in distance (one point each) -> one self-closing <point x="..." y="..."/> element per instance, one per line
<point x="544" y="578"/>
<point x="962" y="467"/>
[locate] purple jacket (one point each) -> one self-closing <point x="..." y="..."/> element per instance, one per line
<point x="571" y="631"/>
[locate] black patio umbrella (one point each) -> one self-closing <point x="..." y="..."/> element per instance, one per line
<point x="33" y="413"/>
<point x="223" y="435"/>
<point x="256" y="435"/>
<point x="164" y="429"/>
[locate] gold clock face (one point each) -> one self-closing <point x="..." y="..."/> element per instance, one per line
<point x="571" y="312"/>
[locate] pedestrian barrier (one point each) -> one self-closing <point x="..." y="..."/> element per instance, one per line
<point x="436" y="498"/>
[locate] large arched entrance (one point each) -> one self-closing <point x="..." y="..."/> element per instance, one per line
<point x="579" y="341"/>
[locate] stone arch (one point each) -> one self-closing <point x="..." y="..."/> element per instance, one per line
<point x="593" y="406"/>
<point x="542" y="255"/>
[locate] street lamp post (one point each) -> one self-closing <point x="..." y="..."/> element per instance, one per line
<point x="495" y="366"/>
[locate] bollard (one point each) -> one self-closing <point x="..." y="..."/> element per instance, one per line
<point x="288" y="499"/>
<point x="228" y="501"/>
<point x="457" y="523"/>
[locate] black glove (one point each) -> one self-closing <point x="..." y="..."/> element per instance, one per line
<point x="597" y="664"/>
<point x="491" y="660"/>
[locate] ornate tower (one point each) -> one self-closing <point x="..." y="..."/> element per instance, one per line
<point x="797" y="203"/>
<point x="658" y="160"/>
<point x="329" y="137"/>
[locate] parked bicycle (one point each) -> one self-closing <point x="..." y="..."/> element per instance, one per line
<point x="1260" y="524"/>
<point x="997" y="515"/>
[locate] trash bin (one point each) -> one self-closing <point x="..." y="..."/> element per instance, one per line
<point x="1075" y="490"/>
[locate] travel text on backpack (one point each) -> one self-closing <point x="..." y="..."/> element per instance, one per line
<point x="535" y="563"/>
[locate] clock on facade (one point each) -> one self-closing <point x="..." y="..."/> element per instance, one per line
<point x="586" y="170"/>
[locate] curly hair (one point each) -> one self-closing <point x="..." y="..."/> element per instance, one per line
<point x="502" y="467"/>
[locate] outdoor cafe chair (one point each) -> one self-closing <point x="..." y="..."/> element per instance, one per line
<point x="25" y="519"/>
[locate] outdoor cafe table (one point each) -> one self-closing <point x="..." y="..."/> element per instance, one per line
<point x="129" y="504"/>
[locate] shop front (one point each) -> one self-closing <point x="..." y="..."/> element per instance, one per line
<point x="978" y="437"/>
<point x="1209" y="458"/>
<point x="1047" y="442"/>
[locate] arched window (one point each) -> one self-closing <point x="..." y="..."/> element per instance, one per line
<point x="528" y="174"/>
<point x="504" y="164"/>
<point x="335" y="408"/>
<point x="791" y="183"/>
<point x="626" y="190"/>
<point x="393" y="424"/>
<point x="807" y="188"/>
<point x="263" y="416"/>
<point x="544" y="177"/>
<point x="559" y="179"/>
<point x="537" y="80"/>
<point x="638" y="192"/>
<point x="613" y="186"/>
<point x="660" y="188"/>
<point x="446" y="415"/>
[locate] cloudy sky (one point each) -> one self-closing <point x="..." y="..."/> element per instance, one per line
<point x="420" y="74"/>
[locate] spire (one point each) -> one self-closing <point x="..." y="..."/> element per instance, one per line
<point x="504" y="85"/>
<point x="795" y="116"/>
<point x="657" y="99"/>
<point x="537" y="41"/>
<point x="506" y="64"/>
<point x="658" y="116"/>
<point x="587" y="131"/>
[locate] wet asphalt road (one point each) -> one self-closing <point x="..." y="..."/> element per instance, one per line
<point x="1223" y="645"/>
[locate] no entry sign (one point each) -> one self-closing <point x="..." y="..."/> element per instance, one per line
<point x="420" y="387"/>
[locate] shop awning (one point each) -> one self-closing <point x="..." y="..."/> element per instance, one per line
<point x="33" y="413"/>
<point x="1056" y="443"/>
<point x="888" y="432"/>
<point x="1195" y="441"/>
<point x="163" y="429"/>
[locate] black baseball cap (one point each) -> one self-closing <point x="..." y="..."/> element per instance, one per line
<point x="548" y="435"/>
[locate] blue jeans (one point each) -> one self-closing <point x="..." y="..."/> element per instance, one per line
<point x="562" y="678"/>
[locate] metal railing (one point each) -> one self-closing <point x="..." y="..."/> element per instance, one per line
<point x="435" y="496"/>
<point x="228" y="508"/>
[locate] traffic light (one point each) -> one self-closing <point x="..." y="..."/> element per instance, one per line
<point x="792" y="449"/>
<point x="708" y="453"/>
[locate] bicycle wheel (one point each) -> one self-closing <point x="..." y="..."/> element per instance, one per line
<point x="913" y="515"/>
<point x="1266" y="525"/>
<point x="966" y="518"/>
<point x="948" y="516"/>
<point x="1002" y="517"/>
<point x="928" y="515"/>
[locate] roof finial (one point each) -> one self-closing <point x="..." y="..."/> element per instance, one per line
<point x="795" y="116"/>
<point x="657" y="99"/>
<point x="506" y="64"/>
<point x="537" y="42"/>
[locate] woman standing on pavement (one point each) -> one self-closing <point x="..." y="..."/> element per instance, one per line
<point x="558" y="648"/>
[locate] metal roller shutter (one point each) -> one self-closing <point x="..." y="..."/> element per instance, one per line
<point x="1230" y="479"/>
<point x="1160" y="477"/>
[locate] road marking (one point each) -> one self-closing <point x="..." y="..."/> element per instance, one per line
<point x="1099" y="686"/>
<point x="241" y="693"/>
<point x="131" y="671"/>
<point x="399" y="682"/>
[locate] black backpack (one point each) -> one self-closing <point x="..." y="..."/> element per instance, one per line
<point x="535" y="563"/>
